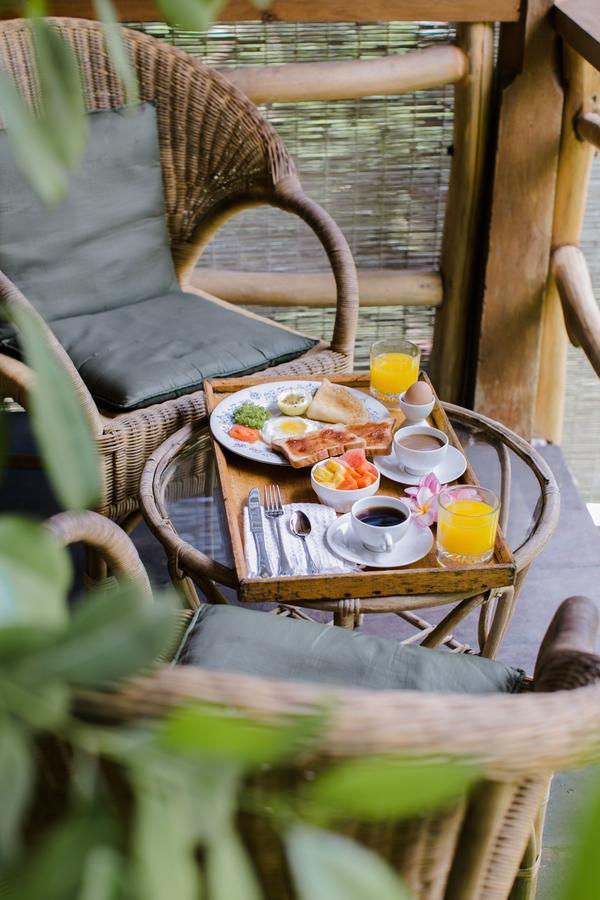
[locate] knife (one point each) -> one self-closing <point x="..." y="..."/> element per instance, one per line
<point x="256" y="527"/>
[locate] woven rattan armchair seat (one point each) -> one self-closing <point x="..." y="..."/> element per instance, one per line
<point x="218" y="156"/>
<point x="480" y="849"/>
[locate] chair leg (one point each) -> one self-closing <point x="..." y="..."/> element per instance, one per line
<point x="347" y="614"/>
<point x="525" y="885"/>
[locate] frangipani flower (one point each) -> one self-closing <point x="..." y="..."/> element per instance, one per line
<point x="423" y="499"/>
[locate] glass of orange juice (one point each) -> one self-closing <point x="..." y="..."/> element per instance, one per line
<point x="394" y="367"/>
<point x="467" y="525"/>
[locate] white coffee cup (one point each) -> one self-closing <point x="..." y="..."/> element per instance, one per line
<point x="379" y="538"/>
<point x="418" y="461"/>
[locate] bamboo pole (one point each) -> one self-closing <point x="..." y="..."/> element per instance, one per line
<point x="353" y="78"/>
<point x="574" y="166"/>
<point x="588" y="128"/>
<point x="463" y="218"/>
<point x="581" y="310"/>
<point x="520" y="220"/>
<point x="377" y="287"/>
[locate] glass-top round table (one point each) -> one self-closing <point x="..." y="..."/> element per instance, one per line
<point x="183" y="505"/>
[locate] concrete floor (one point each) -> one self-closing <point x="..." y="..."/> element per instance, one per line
<point x="570" y="564"/>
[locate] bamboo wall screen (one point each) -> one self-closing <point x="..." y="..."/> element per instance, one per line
<point x="379" y="165"/>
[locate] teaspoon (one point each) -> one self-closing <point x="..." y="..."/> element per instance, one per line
<point x="301" y="527"/>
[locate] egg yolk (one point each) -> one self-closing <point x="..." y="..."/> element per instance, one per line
<point x="292" y="427"/>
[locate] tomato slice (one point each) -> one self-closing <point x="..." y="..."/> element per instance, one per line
<point x="243" y="433"/>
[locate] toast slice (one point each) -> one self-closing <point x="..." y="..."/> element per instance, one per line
<point x="312" y="448"/>
<point x="335" y="403"/>
<point x="376" y="435"/>
<point x="375" y="438"/>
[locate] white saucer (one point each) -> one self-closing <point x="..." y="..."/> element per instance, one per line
<point x="415" y="544"/>
<point x="452" y="467"/>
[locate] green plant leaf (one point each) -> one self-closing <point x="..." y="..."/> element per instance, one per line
<point x="224" y="735"/>
<point x="193" y="15"/>
<point x="28" y="139"/>
<point x="229" y="872"/>
<point x="163" y="842"/>
<point x="330" y="867"/>
<point x="117" y="49"/>
<point x="54" y="869"/>
<point x="63" y="118"/>
<point x="101" y="876"/>
<point x="16" y="776"/>
<point x="44" y="707"/>
<point x="35" y="573"/>
<point x="583" y="877"/>
<point x="384" y="787"/>
<point x="59" y="422"/>
<point x="111" y="636"/>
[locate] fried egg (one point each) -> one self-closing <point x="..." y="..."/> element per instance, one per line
<point x="286" y="427"/>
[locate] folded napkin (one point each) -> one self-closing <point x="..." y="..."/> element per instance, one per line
<point x="321" y="518"/>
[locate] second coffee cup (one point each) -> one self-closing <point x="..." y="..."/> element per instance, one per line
<point x="419" y="448"/>
<point x="380" y="522"/>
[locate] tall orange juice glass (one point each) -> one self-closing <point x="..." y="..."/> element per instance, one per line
<point x="467" y="525"/>
<point x="394" y="367"/>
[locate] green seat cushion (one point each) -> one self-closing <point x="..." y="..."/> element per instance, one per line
<point x="165" y="347"/>
<point x="106" y="244"/>
<point x="239" y="640"/>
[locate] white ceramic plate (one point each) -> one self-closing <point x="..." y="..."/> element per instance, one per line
<point x="221" y="420"/>
<point x="452" y="467"/>
<point x="415" y="544"/>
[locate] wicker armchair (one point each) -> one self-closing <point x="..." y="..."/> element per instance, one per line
<point x="479" y="850"/>
<point x="218" y="156"/>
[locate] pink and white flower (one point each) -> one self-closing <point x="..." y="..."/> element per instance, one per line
<point x="423" y="499"/>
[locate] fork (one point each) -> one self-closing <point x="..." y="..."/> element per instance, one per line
<point x="274" y="510"/>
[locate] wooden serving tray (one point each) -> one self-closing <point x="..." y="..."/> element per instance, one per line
<point x="238" y="475"/>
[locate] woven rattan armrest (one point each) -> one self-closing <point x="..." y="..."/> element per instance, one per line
<point x="567" y="658"/>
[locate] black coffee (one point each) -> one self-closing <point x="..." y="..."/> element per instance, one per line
<point x="382" y="516"/>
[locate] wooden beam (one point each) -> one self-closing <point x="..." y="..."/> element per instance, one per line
<point x="581" y="310"/>
<point x="588" y="128"/>
<point x="578" y="23"/>
<point x="309" y="10"/>
<point x="520" y="226"/>
<point x="377" y="287"/>
<point x="574" y="167"/>
<point x="464" y="212"/>
<point x="351" y="78"/>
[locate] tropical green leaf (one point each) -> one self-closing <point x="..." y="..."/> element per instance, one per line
<point x="111" y="636"/>
<point x="583" y="877"/>
<point x="43" y="707"/>
<point x="193" y="15"/>
<point x="31" y="149"/>
<point x="35" y="573"/>
<point x="330" y="867"/>
<point x="59" y="422"/>
<point x="384" y="787"/>
<point x="102" y="874"/>
<point x="16" y="775"/>
<point x="117" y="49"/>
<point x="63" y="117"/>
<point x="229" y="872"/>
<point x="229" y="736"/>
<point x="163" y="842"/>
<point x="54" y="871"/>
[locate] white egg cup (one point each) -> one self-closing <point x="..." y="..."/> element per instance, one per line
<point x="415" y="413"/>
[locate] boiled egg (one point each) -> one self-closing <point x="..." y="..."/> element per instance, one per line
<point x="418" y="394"/>
<point x="286" y="427"/>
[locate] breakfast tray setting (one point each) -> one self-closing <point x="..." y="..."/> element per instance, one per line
<point x="239" y="474"/>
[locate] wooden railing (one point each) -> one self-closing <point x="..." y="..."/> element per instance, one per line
<point x="571" y="311"/>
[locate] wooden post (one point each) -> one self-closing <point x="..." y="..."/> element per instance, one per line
<point x="463" y="217"/>
<point x="520" y="226"/>
<point x="575" y="161"/>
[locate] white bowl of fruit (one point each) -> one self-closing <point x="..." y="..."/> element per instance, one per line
<point x="342" y="480"/>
